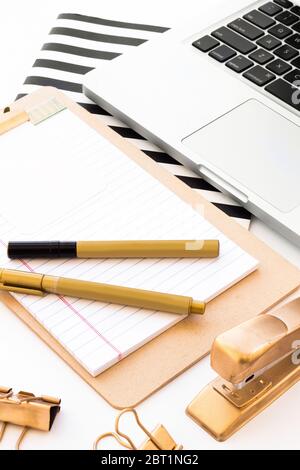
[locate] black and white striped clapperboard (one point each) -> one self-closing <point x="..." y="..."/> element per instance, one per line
<point x="76" y="44"/>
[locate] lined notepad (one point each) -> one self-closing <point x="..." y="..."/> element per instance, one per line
<point x="72" y="184"/>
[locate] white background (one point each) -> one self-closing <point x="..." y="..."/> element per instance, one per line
<point x="26" y="363"/>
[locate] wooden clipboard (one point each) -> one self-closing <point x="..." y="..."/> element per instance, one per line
<point x="154" y="365"/>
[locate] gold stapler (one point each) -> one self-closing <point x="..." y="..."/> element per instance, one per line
<point x="257" y="362"/>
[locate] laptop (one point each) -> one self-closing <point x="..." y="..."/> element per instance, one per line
<point x="223" y="99"/>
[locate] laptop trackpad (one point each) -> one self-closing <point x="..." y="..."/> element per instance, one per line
<point x="257" y="147"/>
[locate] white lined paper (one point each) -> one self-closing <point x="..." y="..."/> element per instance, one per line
<point x="121" y="201"/>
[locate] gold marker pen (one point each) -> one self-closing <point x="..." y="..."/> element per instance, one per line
<point x="115" y="249"/>
<point x="39" y="284"/>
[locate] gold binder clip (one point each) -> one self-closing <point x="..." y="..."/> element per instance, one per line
<point x="27" y="410"/>
<point x="159" y="439"/>
<point x="257" y="362"/>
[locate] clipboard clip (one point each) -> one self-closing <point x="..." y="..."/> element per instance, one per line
<point x="26" y="410"/>
<point x="11" y="118"/>
<point x="158" y="439"/>
<point x="257" y="362"/>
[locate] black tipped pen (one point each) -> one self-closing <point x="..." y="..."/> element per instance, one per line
<point x="52" y="249"/>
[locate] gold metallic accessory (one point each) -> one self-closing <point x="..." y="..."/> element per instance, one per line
<point x="159" y="439"/>
<point x="27" y="410"/>
<point x="257" y="362"/>
<point x="148" y="249"/>
<point x="37" y="284"/>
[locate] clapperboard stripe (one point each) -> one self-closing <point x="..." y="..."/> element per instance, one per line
<point x="233" y="211"/>
<point x="81" y="51"/>
<point x="94" y="109"/>
<point x="110" y="39"/>
<point x="161" y="157"/>
<point x="63" y="66"/>
<point x="77" y="44"/>
<point x="197" y="183"/>
<point x="112" y="23"/>
<point x="61" y="84"/>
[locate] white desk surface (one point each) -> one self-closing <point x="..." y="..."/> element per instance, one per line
<point x="27" y="363"/>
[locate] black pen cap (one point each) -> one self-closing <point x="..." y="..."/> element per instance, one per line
<point x="44" y="249"/>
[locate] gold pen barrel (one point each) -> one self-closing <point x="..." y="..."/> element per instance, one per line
<point x="148" y="249"/>
<point x="37" y="284"/>
<point x="122" y="295"/>
<point x="26" y="280"/>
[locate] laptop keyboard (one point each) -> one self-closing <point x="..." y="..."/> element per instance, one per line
<point x="263" y="46"/>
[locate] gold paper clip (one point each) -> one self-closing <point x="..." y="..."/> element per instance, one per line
<point x="27" y="410"/>
<point x="257" y="362"/>
<point x="159" y="439"/>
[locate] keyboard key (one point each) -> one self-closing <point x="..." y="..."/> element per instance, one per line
<point x="259" y="75"/>
<point x="296" y="62"/>
<point x="287" y="18"/>
<point x="294" y="41"/>
<point x="285" y="92"/>
<point x="280" y="31"/>
<point x="279" y="67"/>
<point x="259" y="19"/>
<point x="284" y="3"/>
<point x="261" y="57"/>
<point x="286" y="52"/>
<point x="296" y="10"/>
<point x="205" y="44"/>
<point x="269" y="42"/>
<point x="246" y="29"/>
<point x="234" y="40"/>
<point x="239" y="64"/>
<point x="270" y="8"/>
<point x="296" y="27"/>
<point x="222" y="53"/>
<point x="293" y="76"/>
